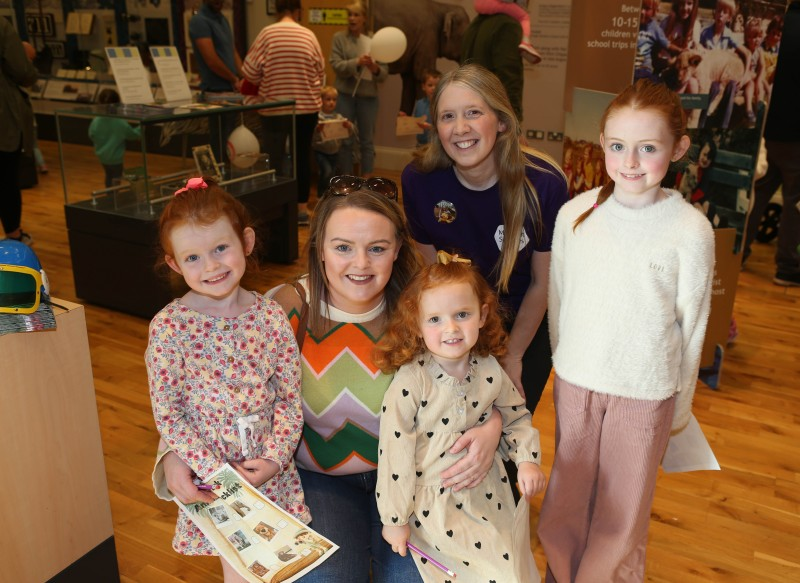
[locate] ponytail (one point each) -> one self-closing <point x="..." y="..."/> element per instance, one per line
<point x="602" y="196"/>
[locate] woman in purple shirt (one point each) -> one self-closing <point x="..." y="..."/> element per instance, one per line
<point x="475" y="191"/>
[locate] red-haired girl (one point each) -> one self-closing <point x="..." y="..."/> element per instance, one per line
<point x="443" y="340"/>
<point x="222" y="363"/>
<point x="629" y="297"/>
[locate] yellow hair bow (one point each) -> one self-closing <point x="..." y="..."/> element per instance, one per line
<point x="444" y="258"/>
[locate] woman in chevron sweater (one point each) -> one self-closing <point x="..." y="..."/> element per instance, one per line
<point x="360" y="257"/>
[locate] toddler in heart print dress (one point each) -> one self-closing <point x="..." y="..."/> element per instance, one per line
<point x="442" y="341"/>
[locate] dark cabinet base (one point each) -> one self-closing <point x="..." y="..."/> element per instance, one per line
<point x="115" y="254"/>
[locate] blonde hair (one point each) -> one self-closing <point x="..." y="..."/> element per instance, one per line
<point x="518" y="196"/>
<point x="329" y="90"/>
<point x="642" y="95"/>
<point x="360" y="8"/>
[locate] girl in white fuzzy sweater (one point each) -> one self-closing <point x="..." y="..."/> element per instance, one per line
<point x="630" y="289"/>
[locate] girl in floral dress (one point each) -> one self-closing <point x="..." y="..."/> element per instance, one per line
<point x="222" y="362"/>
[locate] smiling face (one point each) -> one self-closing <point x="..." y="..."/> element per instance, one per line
<point x="450" y="319"/>
<point x="638" y="148"/>
<point x="358" y="250"/>
<point x="704" y="158"/>
<point x="211" y="258"/>
<point x="467" y="129"/>
<point x="684" y="9"/>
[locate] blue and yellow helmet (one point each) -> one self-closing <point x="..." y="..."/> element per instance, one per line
<point x="22" y="279"/>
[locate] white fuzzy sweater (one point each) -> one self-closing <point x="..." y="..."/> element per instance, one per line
<point x="630" y="291"/>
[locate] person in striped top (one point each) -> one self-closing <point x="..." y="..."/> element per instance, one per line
<point x="285" y="62"/>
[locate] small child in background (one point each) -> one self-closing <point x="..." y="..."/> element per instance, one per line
<point x="443" y="340"/>
<point x="430" y="78"/>
<point x="718" y="34"/>
<point x="326" y="152"/>
<point x="629" y="297"/>
<point x="517" y="9"/>
<point x="109" y="134"/>
<point x="755" y="77"/>
<point x="650" y="41"/>
<point x="222" y="363"/>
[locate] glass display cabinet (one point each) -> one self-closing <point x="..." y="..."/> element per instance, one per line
<point x="112" y="230"/>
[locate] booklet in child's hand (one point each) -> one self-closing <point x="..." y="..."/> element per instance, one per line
<point x="407" y="125"/>
<point x="260" y="540"/>
<point x="334" y="129"/>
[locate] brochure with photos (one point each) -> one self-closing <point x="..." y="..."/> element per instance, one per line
<point x="261" y="541"/>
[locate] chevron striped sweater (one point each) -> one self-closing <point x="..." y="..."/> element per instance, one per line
<point x="342" y="392"/>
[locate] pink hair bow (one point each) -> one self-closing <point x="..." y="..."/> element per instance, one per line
<point x="193" y="184"/>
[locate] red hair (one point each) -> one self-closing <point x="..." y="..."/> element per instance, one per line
<point x="203" y="206"/>
<point x="642" y="95"/>
<point x="402" y="341"/>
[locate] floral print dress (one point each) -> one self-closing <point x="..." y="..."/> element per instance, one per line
<point x="221" y="387"/>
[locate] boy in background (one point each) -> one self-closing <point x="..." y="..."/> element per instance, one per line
<point x="326" y="152"/>
<point x="430" y="78"/>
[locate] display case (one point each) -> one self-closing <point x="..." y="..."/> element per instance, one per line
<point x="113" y="229"/>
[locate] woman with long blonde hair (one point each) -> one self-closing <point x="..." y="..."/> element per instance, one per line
<point x="475" y="190"/>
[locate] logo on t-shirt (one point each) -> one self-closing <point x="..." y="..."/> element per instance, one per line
<point x="500" y="233"/>
<point x="445" y="211"/>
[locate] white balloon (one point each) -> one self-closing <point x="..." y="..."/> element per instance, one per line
<point x="388" y="44"/>
<point x="243" y="148"/>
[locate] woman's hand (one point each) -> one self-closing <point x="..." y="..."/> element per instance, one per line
<point x="397" y="536"/>
<point x="180" y="481"/>
<point x="257" y="471"/>
<point x="481" y="444"/>
<point x="366" y="61"/>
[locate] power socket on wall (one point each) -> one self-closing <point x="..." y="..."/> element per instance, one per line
<point x="534" y="134"/>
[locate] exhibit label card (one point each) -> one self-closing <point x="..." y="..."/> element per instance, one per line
<point x="258" y="538"/>
<point x="130" y="75"/>
<point x="171" y="74"/>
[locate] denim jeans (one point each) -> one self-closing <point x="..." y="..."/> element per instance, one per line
<point x="344" y="509"/>
<point x="326" y="164"/>
<point x="361" y="111"/>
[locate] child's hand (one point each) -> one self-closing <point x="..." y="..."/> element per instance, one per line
<point x="347" y="124"/>
<point x="180" y="481"/>
<point x="257" y="471"/>
<point x="397" y="536"/>
<point x="402" y="113"/>
<point x="531" y="479"/>
<point x="423" y="125"/>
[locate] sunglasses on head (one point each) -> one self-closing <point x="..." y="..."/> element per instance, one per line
<point x="345" y="184"/>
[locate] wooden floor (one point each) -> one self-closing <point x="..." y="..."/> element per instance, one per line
<point x="738" y="524"/>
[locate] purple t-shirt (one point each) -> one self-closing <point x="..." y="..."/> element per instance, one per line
<point x="444" y="213"/>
